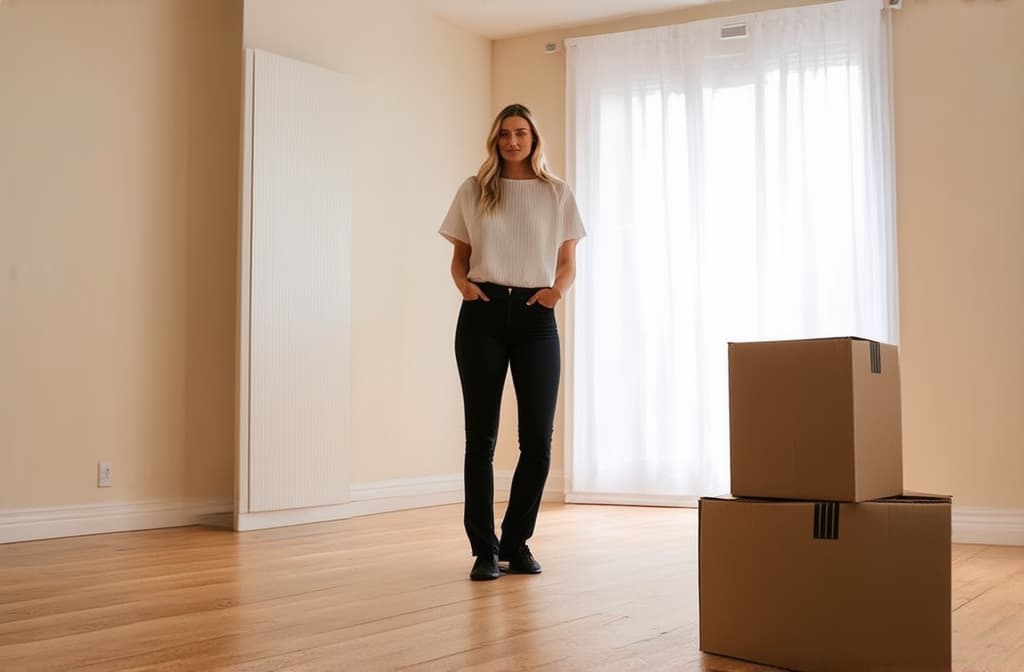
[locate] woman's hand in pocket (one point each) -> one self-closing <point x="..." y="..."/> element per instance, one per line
<point x="472" y="292"/>
<point x="546" y="297"/>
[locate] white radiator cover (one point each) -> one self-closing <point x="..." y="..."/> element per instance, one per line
<point x="295" y="302"/>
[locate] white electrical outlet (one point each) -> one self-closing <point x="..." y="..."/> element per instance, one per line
<point x="105" y="475"/>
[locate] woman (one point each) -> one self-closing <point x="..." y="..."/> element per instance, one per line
<point x="514" y="227"/>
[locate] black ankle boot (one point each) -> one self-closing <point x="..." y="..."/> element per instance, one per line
<point x="485" y="568"/>
<point x="520" y="560"/>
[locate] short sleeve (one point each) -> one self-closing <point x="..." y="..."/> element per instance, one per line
<point x="454" y="225"/>
<point x="572" y="223"/>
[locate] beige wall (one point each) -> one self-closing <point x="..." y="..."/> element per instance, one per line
<point x="422" y="92"/>
<point x="118" y="151"/>
<point x="959" y="103"/>
<point x="959" y="98"/>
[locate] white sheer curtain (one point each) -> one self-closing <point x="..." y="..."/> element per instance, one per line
<point x="733" y="189"/>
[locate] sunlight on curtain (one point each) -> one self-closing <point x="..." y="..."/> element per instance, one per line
<point x="733" y="189"/>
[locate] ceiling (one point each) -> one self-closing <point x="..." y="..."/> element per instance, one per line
<point x="499" y="19"/>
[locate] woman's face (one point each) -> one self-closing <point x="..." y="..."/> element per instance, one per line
<point x="515" y="140"/>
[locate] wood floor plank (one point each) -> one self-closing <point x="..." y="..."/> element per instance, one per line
<point x="390" y="592"/>
<point x="989" y="627"/>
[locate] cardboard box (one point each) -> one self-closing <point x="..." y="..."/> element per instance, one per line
<point x="815" y="419"/>
<point x="827" y="586"/>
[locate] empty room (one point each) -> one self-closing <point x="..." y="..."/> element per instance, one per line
<point x="475" y="335"/>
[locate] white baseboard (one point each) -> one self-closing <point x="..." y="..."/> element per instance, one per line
<point x="449" y="486"/>
<point x="366" y="499"/>
<point x="71" y="521"/>
<point x="625" y="499"/>
<point x="982" y="525"/>
<point x="971" y="525"/>
<point x="393" y="495"/>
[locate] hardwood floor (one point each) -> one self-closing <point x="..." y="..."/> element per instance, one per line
<point x="389" y="592"/>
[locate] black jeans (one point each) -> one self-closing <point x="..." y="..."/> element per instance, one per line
<point x="491" y="337"/>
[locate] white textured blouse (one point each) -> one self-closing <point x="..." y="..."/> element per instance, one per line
<point x="516" y="244"/>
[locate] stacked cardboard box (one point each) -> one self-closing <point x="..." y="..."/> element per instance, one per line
<point x="819" y="560"/>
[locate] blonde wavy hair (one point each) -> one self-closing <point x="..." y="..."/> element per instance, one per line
<point x="488" y="177"/>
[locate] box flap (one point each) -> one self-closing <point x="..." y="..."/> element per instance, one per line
<point x="817" y="338"/>
<point x="908" y="497"/>
<point x="751" y="500"/>
<point x="918" y="498"/>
